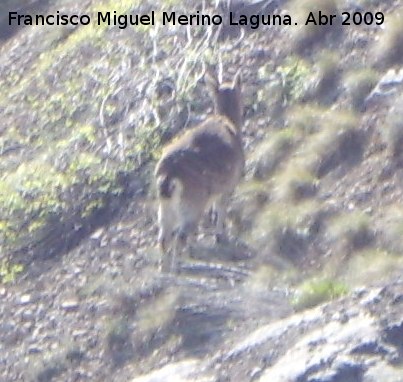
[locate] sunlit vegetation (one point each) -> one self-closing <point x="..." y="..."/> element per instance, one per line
<point x="317" y="291"/>
<point x="389" y="49"/>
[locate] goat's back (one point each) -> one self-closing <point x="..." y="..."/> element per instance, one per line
<point x="207" y="158"/>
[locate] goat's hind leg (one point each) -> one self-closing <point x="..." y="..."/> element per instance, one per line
<point x="190" y="213"/>
<point x="178" y="247"/>
<point x="166" y="235"/>
<point x="220" y="209"/>
<point x="179" y="241"/>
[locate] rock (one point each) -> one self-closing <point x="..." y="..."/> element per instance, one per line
<point x="96" y="235"/>
<point x="345" y="371"/>
<point x="382" y="372"/>
<point x="317" y="353"/>
<point x="178" y="372"/>
<point x="388" y="86"/>
<point x="373" y="297"/>
<point x="393" y="333"/>
<point x="255" y="373"/>
<point x="273" y="331"/>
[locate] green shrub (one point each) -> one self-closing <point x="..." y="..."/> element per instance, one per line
<point x="317" y="291"/>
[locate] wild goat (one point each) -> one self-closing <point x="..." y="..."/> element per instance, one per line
<point x="201" y="168"/>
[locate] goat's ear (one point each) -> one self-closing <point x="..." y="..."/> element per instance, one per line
<point x="211" y="82"/>
<point x="237" y="81"/>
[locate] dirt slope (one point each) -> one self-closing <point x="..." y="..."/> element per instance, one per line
<point x="318" y="216"/>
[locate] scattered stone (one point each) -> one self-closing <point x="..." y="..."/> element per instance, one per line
<point x="34" y="349"/>
<point x="393" y="333"/>
<point x="70" y="305"/>
<point x="27" y="315"/>
<point x="96" y="235"/>
<point x="25" y="299"/>
<point x="79" y="333"/>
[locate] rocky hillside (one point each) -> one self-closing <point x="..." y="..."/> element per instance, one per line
<point x="309" y="287"/>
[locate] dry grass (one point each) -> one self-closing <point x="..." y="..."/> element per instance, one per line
<point x="337" y="140"/>
<point x="267" y="276"/>
<point x="305" y="36"/>
<point x="250" y="198"/>
<point x="119" y="342"/>
<point x="350" y="231"/>
<point x="327" y="77"/>
<point x="389" y="49"/>
<point x="393" y="131"/>
<point x="306" y="118"/>
<point x="358" y="84"/>
<point x="159" y="313"/>
<point x="294" y="183"/>
<point x="271" y="153"/>
<point x="366" y="266"/>
<point x="285" y="230"/>
<point x="391" y="228"/>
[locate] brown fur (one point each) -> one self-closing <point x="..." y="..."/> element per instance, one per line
<point x="201" y="167"/>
